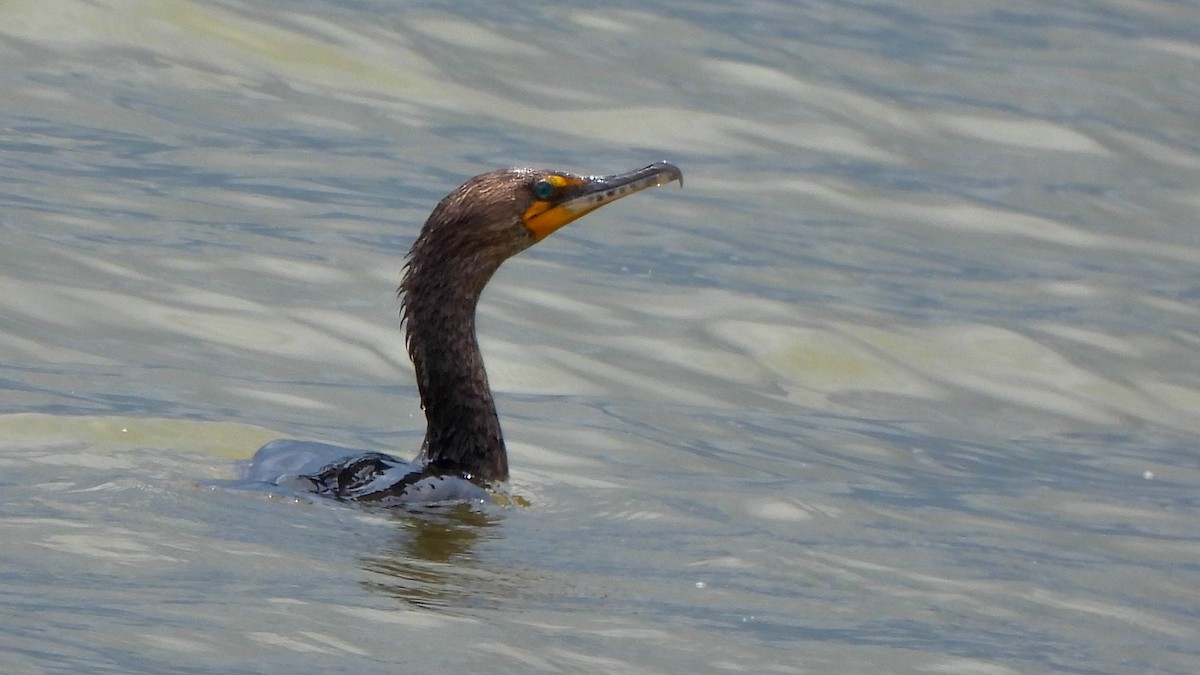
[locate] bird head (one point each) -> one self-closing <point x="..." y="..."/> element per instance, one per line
<point x="496" y="215"/>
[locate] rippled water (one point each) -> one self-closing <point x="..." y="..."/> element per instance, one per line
<point x="904" y="380"/>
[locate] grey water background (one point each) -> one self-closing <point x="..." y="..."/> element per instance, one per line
<point x="904" y="380"/>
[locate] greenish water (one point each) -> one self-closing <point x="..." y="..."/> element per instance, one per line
<point x="903" y="381"/>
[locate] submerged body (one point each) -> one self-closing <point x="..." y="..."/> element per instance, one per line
<point x="347" y="474"/>
<point x="470" y="233"/>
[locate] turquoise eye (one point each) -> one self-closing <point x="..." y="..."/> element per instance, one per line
<point x="543" y="189"/>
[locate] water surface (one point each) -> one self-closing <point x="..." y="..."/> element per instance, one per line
<point x="904" y="380"/>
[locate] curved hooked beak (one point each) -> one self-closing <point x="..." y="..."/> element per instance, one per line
<point x="582" y="195"/>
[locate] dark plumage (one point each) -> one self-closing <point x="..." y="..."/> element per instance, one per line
<point x="472" y="231"/>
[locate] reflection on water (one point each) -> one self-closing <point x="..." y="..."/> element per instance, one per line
<point x="904" y="381"/>
<point x="431" y="561"/>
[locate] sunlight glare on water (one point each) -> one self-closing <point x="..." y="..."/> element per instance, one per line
<point x="903" y="381"/>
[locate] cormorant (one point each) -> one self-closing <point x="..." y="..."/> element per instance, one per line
<point x="472" y="231"/>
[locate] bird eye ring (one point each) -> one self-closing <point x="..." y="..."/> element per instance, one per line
<point x="543" y="189"/>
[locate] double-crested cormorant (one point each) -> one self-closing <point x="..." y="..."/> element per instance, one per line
<point x="472" y="231"/>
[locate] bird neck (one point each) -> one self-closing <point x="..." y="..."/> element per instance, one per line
<point x="462" y="429"/>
